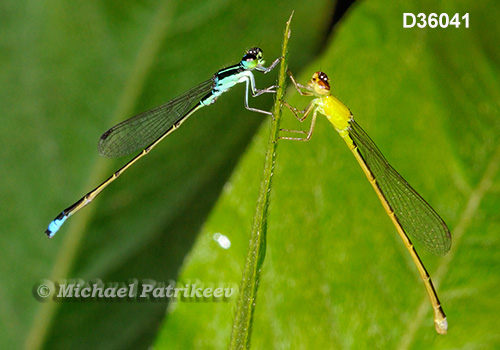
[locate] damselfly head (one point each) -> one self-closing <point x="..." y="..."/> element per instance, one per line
<point x="253" y="58"/>
<point x="320" y="83"/>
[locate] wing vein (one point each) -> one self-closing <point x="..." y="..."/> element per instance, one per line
<point x="415" y="215"/>
<point x="143" y="129"/>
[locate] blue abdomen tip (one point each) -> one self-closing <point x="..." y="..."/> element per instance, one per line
<point x="55" y="225"/>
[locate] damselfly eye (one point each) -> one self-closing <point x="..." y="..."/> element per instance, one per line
<point x="249" y="58"/>
<point x="323" y="77"/>
<point x="319" y="83"/>
<point x="256" y="52"/>
<point x="250" y="61"/>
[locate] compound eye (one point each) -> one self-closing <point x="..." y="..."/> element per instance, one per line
<point x="320" y="83"/>
<point x="249" y="57"/>
<point x="323" y="77"/>
<point x="249" y="61"/>
<point x="256" y="52"/>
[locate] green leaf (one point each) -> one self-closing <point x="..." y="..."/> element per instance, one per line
<point x="71" y="71"/>
<point x="336" y="274"/>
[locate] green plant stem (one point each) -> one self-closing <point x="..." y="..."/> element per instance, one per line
<point x="242" y="324"/>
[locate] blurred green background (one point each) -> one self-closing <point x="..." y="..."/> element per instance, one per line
<point x="336" y="274"/>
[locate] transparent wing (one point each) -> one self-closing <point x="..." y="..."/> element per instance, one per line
<point x="413" y="213"/>
<point x="143" y="129"/>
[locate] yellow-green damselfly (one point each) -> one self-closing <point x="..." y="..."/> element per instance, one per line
<point x="409" y="212"/>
